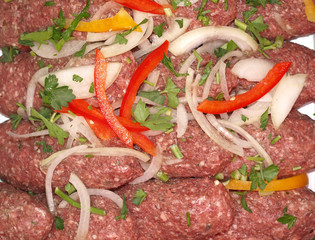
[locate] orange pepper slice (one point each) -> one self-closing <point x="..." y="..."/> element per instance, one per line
<point x="284" y="184"/>
<point x="309" y="10"/>
<point x="121" y="21"/>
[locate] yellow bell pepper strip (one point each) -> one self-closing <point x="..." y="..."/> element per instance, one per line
<point x="284" y="184"/>
<point x="141" y="73"/>
<point x="309" y="10"/>
<point x="100" y="74"/>
<point x="148" y="6"/>
<point x="242" y="100"/>
<point x="121" y="21"/>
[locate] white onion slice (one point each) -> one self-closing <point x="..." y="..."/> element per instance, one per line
<point x="223" y="83"/>
<point x="173" y="32"/>
<point x="152" y="78"/>
<point x="97" y="192"/>
<point x="154" y="167"/>
<point x="133" y="38"/>
<point x="215" y="69"/>
<point x="49" y="50"/>
<point x="252" y="69"/>
<point x="28" y="135"/>
<point x="50" y="171"/>
<point x="286" y="93"/>
<point x="194" y="38"/>
<point x="260" y="150"/>
<point x="31" y="87"/>
<point x="225" y="132"/>
<point x="202" y="120"/>
<point x="96" y="37"/>
<point x="182" y="120"/>
<point x="81" y="89"/>
<point x="84" y="223"/>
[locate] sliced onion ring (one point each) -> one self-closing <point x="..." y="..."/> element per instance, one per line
<point x="84" y="223"/>
<point x="196" y="37"/>
<point x="154" y="167"/>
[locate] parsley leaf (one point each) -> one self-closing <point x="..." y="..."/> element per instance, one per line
<point x="202" y="14"/>
<point x="247" y="14"/>
<point x="175" y="3"/>
<point x="46" y="148"/>
<point x="81" y="52"/>
<point x="70" y="188"/>
<point x="167" y="61"/>
<point x="49" y="3"/>
<point x="158" y="30"/>
<point x="243" y="201"/>
<point x="55" y="96"/>
<point x="180" y="22"/>
<point x="123" y="212"/>
<point x="140" y="195"/>
<point x="77" y="78"/>
<point x="154" y="96"/>
<point x="244" y="118"/>
<point x="171" y="91"/>
<point x="8" y="54"/>
<point x="270" y="172"/>
<point x="141" y="112"/>
<point x="259" y="178"/>
<point x="59" y="223"/>
<point x="264" y="119"/>
<point x="54" y="130"/>
<point x="120" y="37"/>
<point x="287" y="219"/>
<point x="225" y="48"/>
<point x="206" y="73"/>
<point x="15" y="120"/>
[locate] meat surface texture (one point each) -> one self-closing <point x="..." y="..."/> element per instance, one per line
<point x="287" y="19"/>
<point x="163" y="213"/>
<point x="22" y="216"/>
<point x="262" y="222"/>
<point x="20" y="164"/>
<point x="101" y="227"/>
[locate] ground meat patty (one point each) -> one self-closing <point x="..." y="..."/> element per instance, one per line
<point x="22" y="216"/>
<point x="21" y="158"/>
<point x="163" y="213"/>
<point x="296" y="146"/>
<point x="287" y="19"/>
<point x="29" y="16"/>
<point x="16" y="76"/>
<point x="202" y="157"/>
<point x="218" y="14"/>
<point x="262" y="222"/>
<point x="101" y="227"/>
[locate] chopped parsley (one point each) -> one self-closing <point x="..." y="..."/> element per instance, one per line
<point x="15" y="120"/>
<point x="123" y="212"/>
<point x="264" y="119"/>
<point x="154" y="96"/>
<point x="169" y="64"/>
<point x="120" y="37"/>
<point x="175" y="3"/>
<point x="202" y="17"/>
<point x="244" y="118"/>
<point x="81" y="52"/>
<point x="55" y="96"/>
<point x="180" y="23"/>
<point x="276" y="139"/>
<point x="8" y="54"/>
<point x="46" y="147"/>
<point x="206" y="73"/>
<point x="158" y="30"/>
<point x="156" y="121"/>
<point x="258" y="178"/>
<point x="77" y="78"/>
<point x="92" y="88"/>
<point x="139" y="196"/>
<point x="59" y="223"/>
<point x="257" y="3"/>
<point x="171" y="91"/>
<point x="243" y="201"/>
<point x="287" y="219"/>
<point x="49" y="3"/>
<point x="199" y="58"/>
<point x="54" y="130"/>
<point x="188" y="218"/>
<point x="162" y="176"/>
<point x="225" y="48"/>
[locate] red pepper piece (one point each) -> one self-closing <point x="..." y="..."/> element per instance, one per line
<point x="145" y="68"/>
<point x="143" y="142"/>
<point x="148" y="6"/>
<point x="81" y="108"/>
<point x="100" y="74"/>
<point x="101" y="129"/>
<point x="242" y="100"/>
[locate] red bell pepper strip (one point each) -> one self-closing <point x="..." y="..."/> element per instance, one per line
<point x="148" y="6"/>
<point x="143" y="142"/>
<point x="141" y="73"/>
<point x="242" y="100"/>
<point x="81" y="108"/>
<point x="100" y="74"/>
<point x="101" y="129"/>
